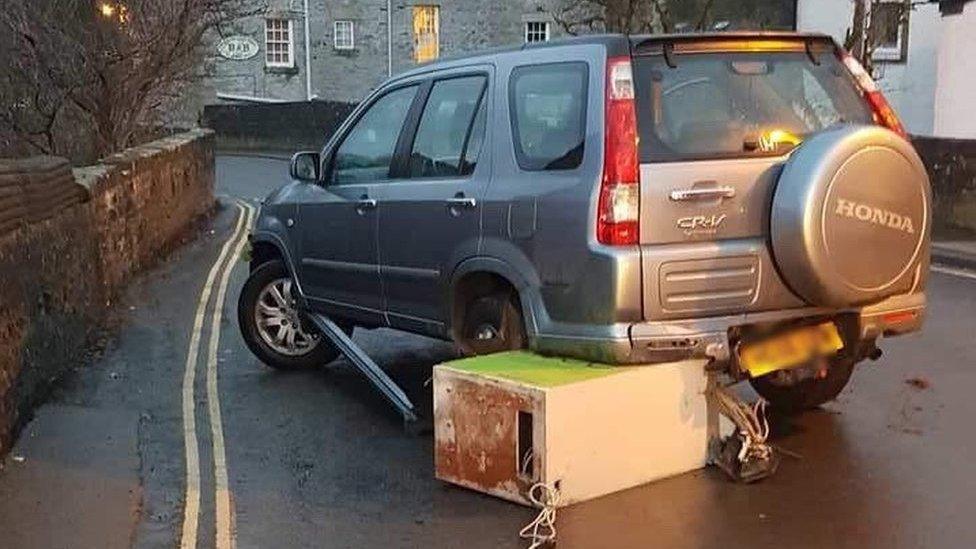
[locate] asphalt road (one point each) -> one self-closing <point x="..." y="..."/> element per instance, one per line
<point x="317" y="459"/>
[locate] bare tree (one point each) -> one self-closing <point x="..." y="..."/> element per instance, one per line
<point x="870" y="28"/>
<point x="626" y="16"/>
<point x="84" y="79"/>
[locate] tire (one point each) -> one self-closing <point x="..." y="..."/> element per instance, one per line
<point x="806" y="393"/>
<point x="261" y="341"/>
<point x="850" y="217"/>
<point x="491" y="324"/>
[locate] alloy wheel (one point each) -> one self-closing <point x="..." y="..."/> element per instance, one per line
<point x="278" y="321"/>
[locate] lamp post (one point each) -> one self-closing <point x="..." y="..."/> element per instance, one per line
<point x="389" y="38"/>
<point x="308" y="58"/>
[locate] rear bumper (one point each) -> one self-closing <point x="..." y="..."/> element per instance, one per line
<point x="655" y="342"/>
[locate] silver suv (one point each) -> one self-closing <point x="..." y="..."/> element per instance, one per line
<point x="747" y="198"/>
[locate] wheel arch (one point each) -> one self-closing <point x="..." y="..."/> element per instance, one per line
<point x="265" y="247"/>
<point x="477" y="272"/>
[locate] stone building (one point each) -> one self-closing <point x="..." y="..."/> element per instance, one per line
<point x="353" y="45"/>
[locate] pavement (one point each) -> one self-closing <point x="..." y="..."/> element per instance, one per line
<point x="318" y="459"/>
<point x="955" y="253"/>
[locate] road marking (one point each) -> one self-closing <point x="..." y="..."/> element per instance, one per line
<point x="223" y="517"/>
<point x="963" y="273"/>
<point x="191" y="510"/>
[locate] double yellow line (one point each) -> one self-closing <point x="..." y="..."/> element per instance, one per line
<point x="221" y="269"/>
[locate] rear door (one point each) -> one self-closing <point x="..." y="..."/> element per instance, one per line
<point x="717" y="120"/>
<point x="430" y="214"/>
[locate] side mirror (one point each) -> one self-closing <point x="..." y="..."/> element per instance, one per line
<point x="305" y="166"/>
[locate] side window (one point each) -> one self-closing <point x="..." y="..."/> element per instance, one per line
<point x="367" y="150"/>
<point x="548" y="111"/>
<point x="447" y="142"/>
<point x="473" y="150"/>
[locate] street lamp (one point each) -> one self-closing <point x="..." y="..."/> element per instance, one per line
<point x="111" y="10"/>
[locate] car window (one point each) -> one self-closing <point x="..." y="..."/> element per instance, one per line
<point x="445" y="126"/>
<point x="715" y="105"/>
<point x="367" y="150"/>
<point x="473" y="150"/>
<point x="548" y="112"/>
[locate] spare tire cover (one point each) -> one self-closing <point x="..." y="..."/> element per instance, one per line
<point x="850" y="216"/>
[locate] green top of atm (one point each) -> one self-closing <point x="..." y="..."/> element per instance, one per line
<point x="533" y="369"/>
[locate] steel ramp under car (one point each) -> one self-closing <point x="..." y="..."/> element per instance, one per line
<point x="366" y="366"/>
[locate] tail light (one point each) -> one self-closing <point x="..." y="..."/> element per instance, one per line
<point x="618" y="216"/>
<point x="884" y="115"/>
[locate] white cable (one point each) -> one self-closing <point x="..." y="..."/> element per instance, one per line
<point x="751" y="421"/>
<point x="542" y="530"/>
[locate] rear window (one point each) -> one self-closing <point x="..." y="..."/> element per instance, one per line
<point x="727" y="105"/>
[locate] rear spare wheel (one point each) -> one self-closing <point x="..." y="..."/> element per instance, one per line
<point x="850" y="217"/>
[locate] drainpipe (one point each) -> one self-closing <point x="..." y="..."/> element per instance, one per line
<point x="308" y="58"/>
<point x="389" y="38"/>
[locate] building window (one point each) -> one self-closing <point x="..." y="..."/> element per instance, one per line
<point x="344" y="35"/>
<point x="889" y="30"/>
<point x="426" y="27"/>
<point x="536" y="31"/>
<point x="279" y="50"/>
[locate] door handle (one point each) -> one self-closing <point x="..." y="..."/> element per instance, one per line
<point x="706" y="193"/>
<point x="461" y="202"/>
<point x="364" y="204"/>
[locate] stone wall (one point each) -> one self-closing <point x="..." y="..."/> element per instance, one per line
<point x="951" y="164"/>
<point x="58" y="274"/>
<point x="289" y="127"/>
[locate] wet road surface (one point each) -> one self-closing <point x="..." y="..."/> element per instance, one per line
<point x="317" y="459"/>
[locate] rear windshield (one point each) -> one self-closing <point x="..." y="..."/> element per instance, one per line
<point x="727" y="105"/>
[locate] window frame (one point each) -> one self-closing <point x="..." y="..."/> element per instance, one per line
<point x="436" y="28"/>
<point x="899" y="52"/>
<point x="328" y="162"/>
<point x="547" y="35"/>
<point x="522" y="160"/>
<point x="290" y="27"/>
<point x="402" y="157"/>
<point x="352" y="35"/>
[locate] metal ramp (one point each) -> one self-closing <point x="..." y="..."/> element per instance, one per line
<point x="390" y="390"/>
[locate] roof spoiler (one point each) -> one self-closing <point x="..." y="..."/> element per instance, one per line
<point x="672" y="45"/>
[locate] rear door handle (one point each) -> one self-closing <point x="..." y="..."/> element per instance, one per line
<point x="706" y="193"/>
<point x="459" y="202"/>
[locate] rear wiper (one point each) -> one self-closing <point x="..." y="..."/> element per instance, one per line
<point x="770" y="141"/>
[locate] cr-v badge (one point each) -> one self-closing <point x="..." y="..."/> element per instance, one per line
<point x="700" y="224"/>
<point x="875" y="215"/>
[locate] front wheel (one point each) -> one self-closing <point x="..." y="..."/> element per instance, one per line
<point x="273" y="328"/>
<point x="787" y="392"/>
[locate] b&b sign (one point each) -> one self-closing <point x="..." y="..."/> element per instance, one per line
<point x="237" y="47"/>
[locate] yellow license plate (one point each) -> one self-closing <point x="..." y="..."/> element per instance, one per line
<point x="790" y="349"/>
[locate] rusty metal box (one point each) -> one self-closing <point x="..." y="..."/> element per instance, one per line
<point x="505" y="422"/>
